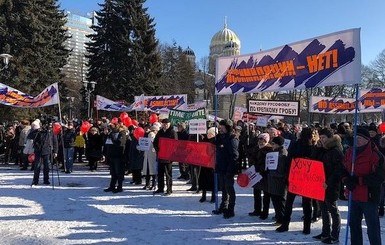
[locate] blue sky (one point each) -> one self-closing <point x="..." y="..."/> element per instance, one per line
<point x="259" y="24"/>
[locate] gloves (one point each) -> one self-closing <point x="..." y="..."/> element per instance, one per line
<point x="351" y="182"/>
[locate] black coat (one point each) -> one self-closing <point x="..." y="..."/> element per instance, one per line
<point x="169" y="133"/>
<point x="226" y="154"/>
<point x="332" y="157"/>
<point x="94" y="145"/>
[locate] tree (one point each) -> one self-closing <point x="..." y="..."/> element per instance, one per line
<point x="123" y="55"/>
<point x="32" y="32"/>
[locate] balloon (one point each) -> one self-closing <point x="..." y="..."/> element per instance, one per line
<point x="153" y="118"/>
<point x="138" y="132"/>
<point x="243" y="180"/>
<point x="56" y="128"/>
<point x="31" y="157"/>
<point x="382" y="127"/>
<point x="114" y="120"/>
<point x="135" y="123"/>
<point x="123" y="115"/>
<point x="85" y="127"/>
<point x="127" y="122"/>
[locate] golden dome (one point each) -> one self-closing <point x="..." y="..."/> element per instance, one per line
<point x="224" y="37"/>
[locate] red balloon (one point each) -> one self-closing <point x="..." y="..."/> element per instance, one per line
<point x="382" y="127"/>
<point x="135" y="123"/>
<point x="114" y="120"/>
<point x="127" y="122"/>
<point x="153" y="118"/>
<point x="123" y="116"/>
<point x="243" y="180"/>
<point x="85" y="127"/>
<point x="56" y="128"/>
<point x="138" y="132"/>
<point x="31" y="157"/>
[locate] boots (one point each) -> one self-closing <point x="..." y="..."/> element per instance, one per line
<point x="212" y="197"/>
<point x="219" y="210"/>
<point x="284" y="227"/>
<point x="306" y="226"/>
<point x="203" y="198"/>
<point x="228" y="213"/>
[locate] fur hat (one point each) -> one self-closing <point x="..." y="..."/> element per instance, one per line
<point x="327" y="132"/>
<point x="279" y="140"/>
<point x="264" y="136"/>
<point x="35" y="124"/>
<point x="154" y="128"/>
<point x="363" y="132"/>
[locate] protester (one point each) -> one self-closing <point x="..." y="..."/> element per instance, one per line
<point x="25" y="129"/>
<point x="330" y="154"/>
<point x="184" y="168"/>
<point x="79" y="146"/>
<point x="135" y="158"/>
<point x="276" y="178"/>
<point x="364" y="183"/>
<point x="45" y="146"/>
<point x="261" y="205"/>
<point x="117" y="141"/>
<point x="150" y="163"/>
<point x="302" y="148"/>
<point x="69" y="135"/>
<point x="94" y="148"/>
<point x="226" y="166"/>
<point x="164" y="166"/>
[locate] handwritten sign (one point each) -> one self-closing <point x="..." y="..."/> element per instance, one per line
<point x="271" y="160"/>
<point x="197" y="126"/>
<point x="306" y="178"/>
<point x="144" y="144"/>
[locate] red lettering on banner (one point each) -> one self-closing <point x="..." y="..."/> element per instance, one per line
<point x="196" y="153"/>
<point x="307" y="178"/>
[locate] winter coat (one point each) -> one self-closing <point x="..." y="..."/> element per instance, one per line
<point x="23" y="135"/>
<point x="332" y="158"/>
<point x="118" y="139"/>
<point x="169" y="133"/>
<point x="69" y="136"/>
<point x="369" y="169"/>
<point x="94" y="146"/>
<point x="226" y="154"/>
<point x="45" y="142"/>
<point x="135" y="156"/>
<point x="276" y="179"/>
<point x="260" y="165"/>
<point x="150" y="161"/>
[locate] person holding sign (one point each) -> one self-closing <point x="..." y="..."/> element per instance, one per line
<point x="277" y="166"/>
<point x="363" y="178"/>
<point x="330" y="154"/>
<point x="302" y="148"/>
<point x="226" y="166"/>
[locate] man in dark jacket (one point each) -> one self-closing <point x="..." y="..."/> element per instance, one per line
<point x="45" y="144"/>
<point x="226" y="167"/>
<point x="330" y="153"/>
<point x="69" y="136"/>
<point x="165" y="166"/>
<point x="364" y="183"/>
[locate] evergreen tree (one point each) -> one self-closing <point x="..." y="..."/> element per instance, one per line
<point x="32" y="32"/>
<point x="123" y="56"/>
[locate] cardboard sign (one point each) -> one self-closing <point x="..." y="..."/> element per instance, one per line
<point x="197" y="126"/>
<point x="196" y="153"/>
<point x="307" y="178"/>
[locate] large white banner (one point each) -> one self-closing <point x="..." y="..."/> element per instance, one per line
<point x="105" y="104"/>
<point x="157" y="103"/>
<point x="274" y="107"/>
<point x="332" y="59"/>
<point x="330" y="105"/>
<point x="15" y="98"/>
<point x="372" y="100"/>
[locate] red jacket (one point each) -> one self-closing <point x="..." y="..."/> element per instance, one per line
<point x="366" y="168"/>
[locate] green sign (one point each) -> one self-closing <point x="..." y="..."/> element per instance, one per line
<point x="177" y="116"/>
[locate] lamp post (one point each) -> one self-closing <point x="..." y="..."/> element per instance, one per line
<point x="71" y="101"/>
<point x="89" y="87"/>
<point x="5" y="58"/>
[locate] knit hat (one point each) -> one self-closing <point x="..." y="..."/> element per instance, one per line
<point x="327" y="132"/>
<point x="166" y="120"/>
<point x="226" y="122"/>
<point x="264" y="136"/>
<point x="363" y="132"/>
<point x="35" y="124"/>
<point x="154" y="128"/>
<point x="279" y="140"/>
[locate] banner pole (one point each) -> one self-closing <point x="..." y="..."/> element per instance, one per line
<point x="215" y="157"/>
<point x="353" y="162"/>
<point x="61" y="133"/>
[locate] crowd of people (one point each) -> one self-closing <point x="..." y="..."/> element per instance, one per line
<point x="238" y="146"/>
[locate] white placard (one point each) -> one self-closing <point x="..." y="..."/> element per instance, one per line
<point x="286" y="144"/>
<point x="144" y="144"/>
<point x="262" y="121"/>
<point x="197" y="126"/>
<point x="254" y="177"/>
<point x="272" y="160"/>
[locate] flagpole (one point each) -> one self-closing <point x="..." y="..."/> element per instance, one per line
<point x="61" y="131"/>
<point x="353" y="161"/>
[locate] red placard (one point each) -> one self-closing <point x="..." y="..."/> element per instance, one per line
<point x="307" y="178"/>
<point x="196" y="153"/>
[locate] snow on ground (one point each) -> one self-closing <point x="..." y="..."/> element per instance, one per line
<point x="79" y="212"/>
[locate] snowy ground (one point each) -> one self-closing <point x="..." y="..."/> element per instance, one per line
<point x="79" y="212"/>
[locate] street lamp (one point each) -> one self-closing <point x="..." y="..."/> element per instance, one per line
<point x="5" y="58"/>
<point x="89" y="87"/>
<point x="71" y="101"/>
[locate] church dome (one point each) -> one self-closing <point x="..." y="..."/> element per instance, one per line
<point x="224" y="37"/>
<point x="189" y="51"/>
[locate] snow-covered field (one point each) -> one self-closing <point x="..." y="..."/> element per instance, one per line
<point x="80" y="212"/>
